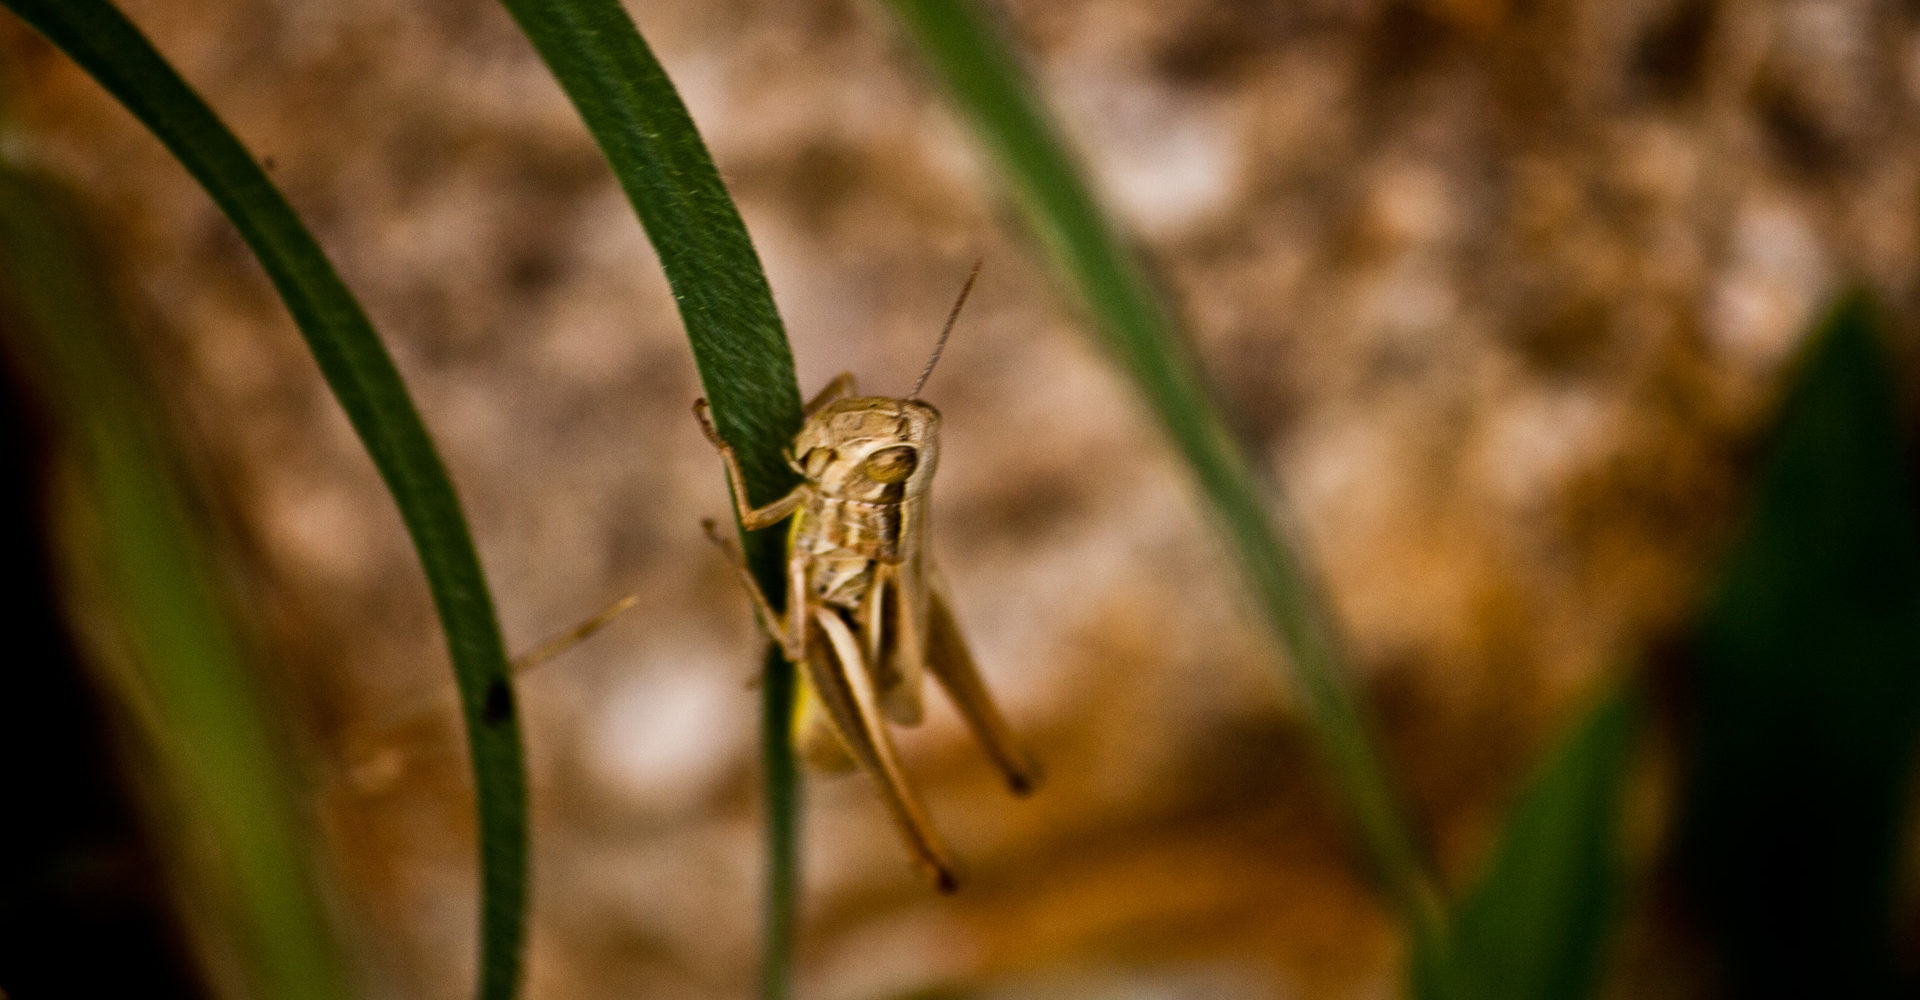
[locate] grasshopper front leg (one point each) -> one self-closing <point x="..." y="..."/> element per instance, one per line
<point x="836" y="387"/>
<point x="790" y="639"/>
<point x="751" y="518"/>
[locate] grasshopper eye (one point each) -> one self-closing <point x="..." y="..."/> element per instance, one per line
<point x="891" y="465"/>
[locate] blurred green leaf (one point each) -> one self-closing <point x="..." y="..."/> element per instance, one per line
<point x="1536" y="925"/>
<point x="983" y="80"/>
<point x="138" y="564"/>
<point x="1806" y="689"/>
<point x="361" y="375"/>
<point x="738" y="343"/>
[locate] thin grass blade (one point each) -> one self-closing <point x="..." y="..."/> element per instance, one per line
<point x="1097" y="267"/>
<point x="738" y="343"/>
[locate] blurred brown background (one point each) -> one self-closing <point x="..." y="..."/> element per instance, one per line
<point x="1499" y="294"/>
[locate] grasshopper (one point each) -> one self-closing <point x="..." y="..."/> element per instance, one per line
<point x="867" y="612"/>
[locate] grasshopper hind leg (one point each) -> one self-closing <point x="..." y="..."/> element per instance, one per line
<point x="950" y="662"/>
<point x="838" y="677"/>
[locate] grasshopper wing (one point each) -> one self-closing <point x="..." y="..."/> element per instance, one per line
<point x="893" y="622"/>
<point x="838" y="677"/>
<point x="815" y="735"/>
<point x="951" y="663"/>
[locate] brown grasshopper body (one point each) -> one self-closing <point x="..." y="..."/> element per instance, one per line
<point x="867" y="614"/>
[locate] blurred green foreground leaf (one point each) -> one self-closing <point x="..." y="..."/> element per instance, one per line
<point x="1092" y="259"/>
<point x="1806" y="691"/>
<point x="1536" y="925"/>
<point x="362" y="376"/>
<point x="140" y="574"/>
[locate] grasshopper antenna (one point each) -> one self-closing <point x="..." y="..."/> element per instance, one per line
<point x="378" y="772"/>
<point x="941" y="344"/>
<point x="574" y="636"/>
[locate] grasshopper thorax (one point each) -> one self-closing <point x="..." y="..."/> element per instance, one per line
<point x="869" y="449"/>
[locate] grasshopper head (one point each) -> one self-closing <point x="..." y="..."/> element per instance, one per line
<point x="870" y="448"/>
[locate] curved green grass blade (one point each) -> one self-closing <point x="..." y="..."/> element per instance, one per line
<point x="643" y="128"/>
<point x="165" y="633"/>
<point x="984" y="82"/>
<point x="363" y="378"/>
<point x="1537" y="923"/>
<point x="738" y="343"/>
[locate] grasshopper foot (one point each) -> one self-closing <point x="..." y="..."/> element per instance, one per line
<point x="946" y="874"/>
<point x="703" y="413"/>
<point x="711" y="528"/>
<point x="1025" y="780"/>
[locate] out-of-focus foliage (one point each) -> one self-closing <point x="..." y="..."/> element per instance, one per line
<point x="1537" y="923"/>
<point x="1803" y="700"/>
<point x="1092" y="261"/>
<point x="140" y="578"/>
<point x="363" y="378"/>
<point x="1800" y="704"/>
